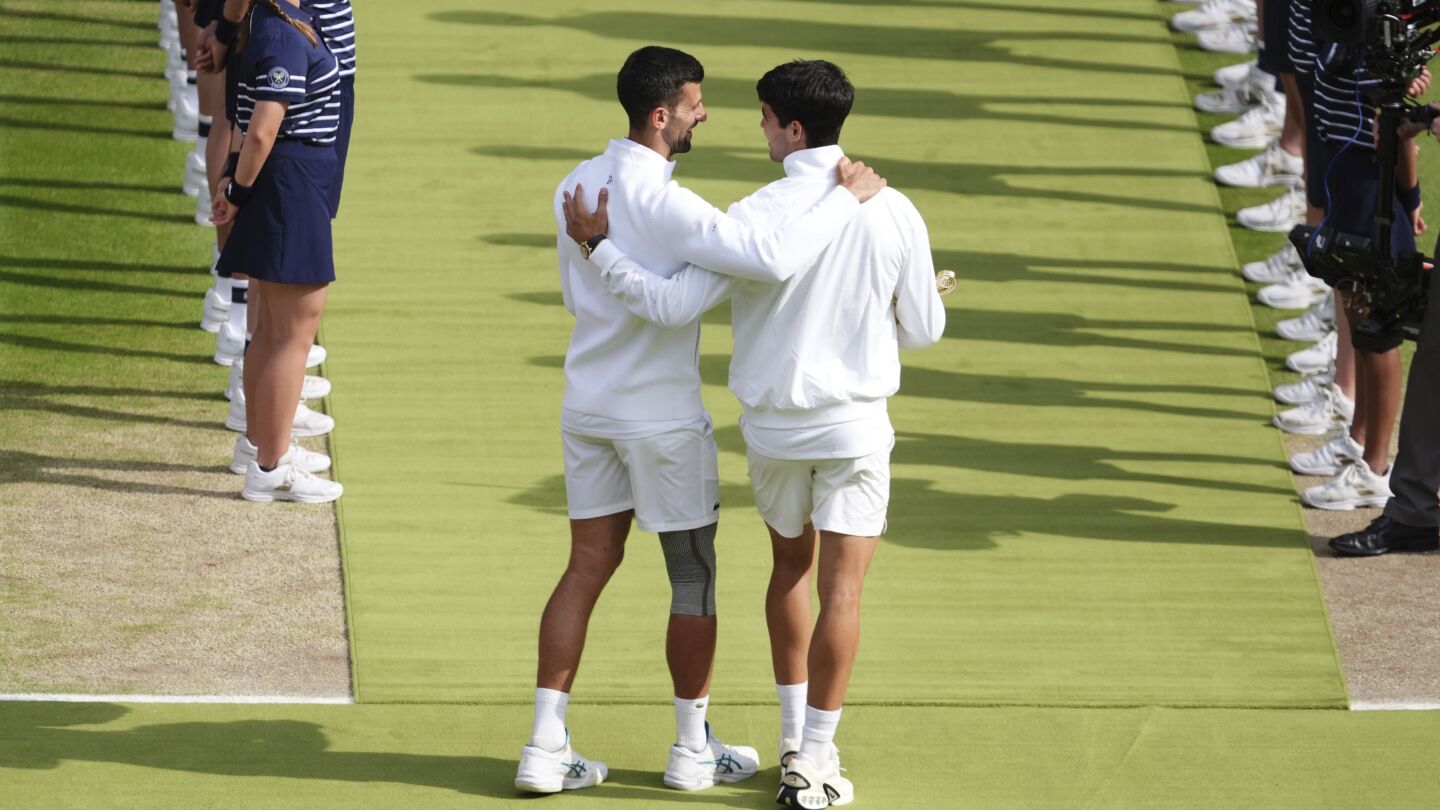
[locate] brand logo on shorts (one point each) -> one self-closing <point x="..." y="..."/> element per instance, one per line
<point x="278" y="77"/>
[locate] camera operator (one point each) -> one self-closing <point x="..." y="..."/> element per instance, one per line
<point x="1411" y="520"/>
<point x="1348" y="186"/>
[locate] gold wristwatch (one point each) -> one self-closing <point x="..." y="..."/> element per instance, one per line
<point x="588" y="246"/>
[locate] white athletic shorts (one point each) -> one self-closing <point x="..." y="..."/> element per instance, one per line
<point x="671" y="479"/>
<point x="842" y="495"/>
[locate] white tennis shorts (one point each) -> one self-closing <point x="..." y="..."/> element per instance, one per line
<point x="671" y="479"/>
<point x="842" y="495"/>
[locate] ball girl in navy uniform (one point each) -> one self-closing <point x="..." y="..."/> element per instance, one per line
<point x="279" y="199"/>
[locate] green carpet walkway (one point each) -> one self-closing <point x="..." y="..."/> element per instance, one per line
<point x="1088" y="507"/>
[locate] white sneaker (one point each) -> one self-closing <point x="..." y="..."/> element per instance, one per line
<point x="544" y="771"/>
<point x="316" y="357"/>
<point x="1315" y="358"/>
<point x="1305" y="389"/>
<point x="216" y="312"/>
<point x="306" y="460"/>
<point x="187" y="115"/>
<point x="1256" y="127"/>
<point x="312" y="388"/>
<point x="716" y="762"/>
<point x="307" y="423"/>
<point x="202" y="208"/>
<point x="1277" y="267"/>
<point x="229" y="345"/>
<point x="1273" y="167"/>
<point x="288" y="483"/>
<point x="1298" y="291"/>
<point x="1238" y="39"/>
<point x="1329" y="411"/>
<point x="1236" y="73"/>
<point x="1329" y="457"/>
<point x="806" y="784"/>
<point x="1354" y="486"/>
<point x="787" y="748"/>
<point x="1316" y="323"/>
<point x="1214" y="14"/>
<point x="195" y="176"/>
<point x="1233" y="99"/>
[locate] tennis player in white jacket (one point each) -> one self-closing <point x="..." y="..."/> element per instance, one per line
<point x="816" y="356"/>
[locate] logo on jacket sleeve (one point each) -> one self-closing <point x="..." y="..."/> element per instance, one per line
<point x="278" y="77"/>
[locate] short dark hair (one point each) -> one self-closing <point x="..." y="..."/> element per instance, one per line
<point x="652" y="77"/>
<point x="813" y="92"/>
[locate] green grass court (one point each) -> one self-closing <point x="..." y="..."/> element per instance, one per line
<point x="1095" y="590"/>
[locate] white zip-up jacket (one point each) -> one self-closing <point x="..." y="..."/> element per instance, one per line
<point x="622" y="367"/>
<point x="822" y="347"/>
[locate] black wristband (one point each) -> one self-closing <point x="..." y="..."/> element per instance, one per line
<point x="237" y="194"/>
<point x="226" y="31"/>
<point x="1409" y="198"/>
<point x="231" y="163"/>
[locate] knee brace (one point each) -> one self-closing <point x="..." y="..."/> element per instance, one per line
<point x="690" y="564"/>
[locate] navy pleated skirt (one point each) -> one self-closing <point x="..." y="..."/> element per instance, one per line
<point x="282" y="234"/>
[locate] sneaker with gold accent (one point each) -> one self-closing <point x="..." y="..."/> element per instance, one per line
<point x="814" y="786"/>
<point x="288" y="482"/>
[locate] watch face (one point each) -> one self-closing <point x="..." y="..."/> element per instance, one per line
<point x="584" y="250"/>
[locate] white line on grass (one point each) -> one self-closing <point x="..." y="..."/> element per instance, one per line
<point x="1392" y="706"/>
<point x="245" y="699"/>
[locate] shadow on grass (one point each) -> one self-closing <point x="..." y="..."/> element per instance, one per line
<point x="82" y="285"/>
<point x="50" y="344"/>
<point x="50" y="67"/>
<point x="49" y="101"/>
<point x="49" y="735"/>
<point x="85" y="185"/>
<point x="10" y="201"/>
<point x="28" y="468"/>
<point x="922" y="516"/>
<point x="821" y="36"/>
<point x="35" y="263"/>
<point x="83" y="19"/>
<point x="739" y="94"/>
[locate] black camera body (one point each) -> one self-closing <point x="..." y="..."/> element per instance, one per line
<point x="1390" y="41"/>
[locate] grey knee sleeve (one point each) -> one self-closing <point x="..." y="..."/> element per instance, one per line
<point x="690" y="563"/>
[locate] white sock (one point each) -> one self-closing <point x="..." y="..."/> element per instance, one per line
<point x="239" y="307"/>
<point x="792" y="709"/>
<point x="690" y="721"/>
<point x="819" y="743"/>
<point x="549" y="729"/>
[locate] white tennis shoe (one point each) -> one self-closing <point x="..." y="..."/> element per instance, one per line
<point x="1214" y="14"/>
<point x="216" y="311"/>
<point x="307" y="423"/>
<point x="1331" y="410"/>
<point x="1238" y="39"/>
<point x="1316" y="323"/>
<point x="288" y="483"/>
<point x="1315" y="358"/>
<point x="1353" y="487"/>
<point x="1273" y="167"/>
<point x="1298" y="291"/>
<point x="1328" y="458"/>
<point x="1277" y="267"/>
<point x="307" y="460"/>
<point x="1236" y="73"/>
<point x="1306" y="388"/>
<point x="544" y="771"/>
<point x="229" y="345"/>
<point x="1256" y="127"/>
<point x="811" y="786"/>
<point x="716" y="762"/>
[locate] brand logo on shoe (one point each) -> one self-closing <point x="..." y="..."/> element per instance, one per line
<point x="577" y="769"/>
<point x="727" y="764"/>
<point x="278" y="77"/>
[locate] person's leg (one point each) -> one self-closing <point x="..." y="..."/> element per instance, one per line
<point x="790" y="620"/>
<point x="787" y="604"/>
<point x="844" y="560"/>
<point x="597" y="547"/>
<point x="293" y="313"/>
<point x="1382" y="378"/>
